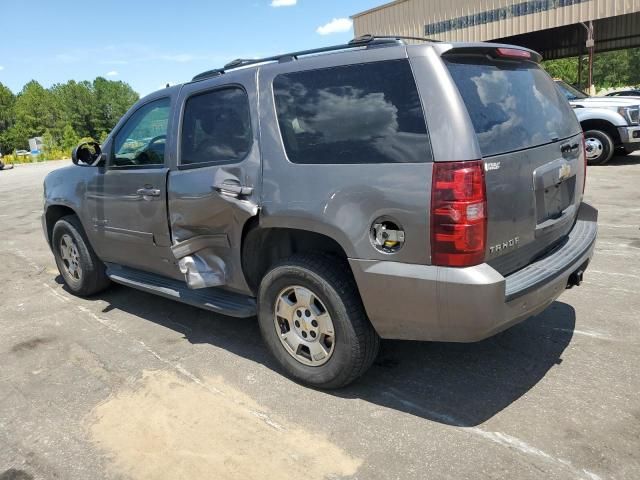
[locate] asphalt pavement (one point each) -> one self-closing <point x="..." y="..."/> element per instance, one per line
<point x="129" y="385"/>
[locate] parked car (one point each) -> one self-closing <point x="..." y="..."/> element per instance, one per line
<point x="610" y="124"/>
<point x="22" y="153"/>
<point x="625" y="93"/>
<point x="382" y="191"/>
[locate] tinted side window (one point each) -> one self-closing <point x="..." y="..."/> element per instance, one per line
<point x="216" y="127"/>
<point x="141" y="141"/>
<point x="367" y="113"/>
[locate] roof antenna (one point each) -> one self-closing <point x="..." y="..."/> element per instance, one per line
<point x="168" y="85"/>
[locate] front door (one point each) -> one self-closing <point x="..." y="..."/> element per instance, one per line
<point x="215" y="187"/>
<point x="129" y="198"/>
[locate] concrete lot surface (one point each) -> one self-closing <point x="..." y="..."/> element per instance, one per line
<point x="128" y="385"/>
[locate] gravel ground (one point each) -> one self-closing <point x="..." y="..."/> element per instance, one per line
<point x="128" y="385"/>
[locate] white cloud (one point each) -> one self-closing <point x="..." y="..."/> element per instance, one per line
<point x="1" y="68"/>
<point x="337" y="25"/>
<point x="112" y="73"/>
<point x="283" y="3"/>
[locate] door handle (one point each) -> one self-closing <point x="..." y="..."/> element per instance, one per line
<point x="233" y="188"/>
<point x="148" y="192"/>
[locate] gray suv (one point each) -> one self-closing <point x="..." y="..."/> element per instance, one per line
<point x="372" y="190"/>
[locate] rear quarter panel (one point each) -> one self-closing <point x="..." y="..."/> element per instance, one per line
<point x="342" y="201"/>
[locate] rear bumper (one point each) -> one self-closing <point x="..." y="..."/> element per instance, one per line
<point x="429" y="303"/>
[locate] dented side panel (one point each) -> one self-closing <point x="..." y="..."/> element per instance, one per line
<point x="207" y="216"/>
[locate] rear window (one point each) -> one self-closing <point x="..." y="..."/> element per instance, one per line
<point x="513" y="105"/>
<point x="366" y="113"/>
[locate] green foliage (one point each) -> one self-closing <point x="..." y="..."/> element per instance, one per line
<point x="63" y="114"/>
<point x="565" y="68"/>
<point x="69" y="138"/>
<point x="620" y="68"/>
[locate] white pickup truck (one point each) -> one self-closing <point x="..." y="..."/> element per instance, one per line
<point x="610" y="124"/>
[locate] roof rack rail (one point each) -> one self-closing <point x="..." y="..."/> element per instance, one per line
<point x="367" y="40"/>
<point x="362" y="41"/>
<point x="369" y="37"/>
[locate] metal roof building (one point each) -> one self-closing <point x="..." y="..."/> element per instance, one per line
<point x="552" y="27"/>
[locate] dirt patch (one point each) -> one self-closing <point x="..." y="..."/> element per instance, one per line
<point x="169" y="427"/>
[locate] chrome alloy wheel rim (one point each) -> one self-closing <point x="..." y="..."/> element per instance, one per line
<point x="594" y="148"/>
<point x="70" y="257"/>
<point x="304" y="326"/>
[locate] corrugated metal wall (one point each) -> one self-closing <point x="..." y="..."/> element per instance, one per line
<point x="409" y="17"/>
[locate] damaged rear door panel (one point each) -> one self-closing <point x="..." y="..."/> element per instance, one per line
<point x="214" y="188"/>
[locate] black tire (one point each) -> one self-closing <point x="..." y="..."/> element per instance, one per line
<point x="93" y="277"/>
<point x="608" y="147"/>
<point x="356" y="343"/>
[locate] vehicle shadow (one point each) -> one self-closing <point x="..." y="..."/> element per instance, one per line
<point x="620" y="160"/>
<point x="453" y="384"/>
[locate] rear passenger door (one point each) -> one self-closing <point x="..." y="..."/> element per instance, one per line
<point x="215" y="185"/>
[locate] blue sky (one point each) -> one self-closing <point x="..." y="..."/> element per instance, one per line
<point x="148" y="44"/>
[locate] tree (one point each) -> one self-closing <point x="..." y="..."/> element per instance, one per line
<point x="564" y="68"/>
<point x="36" y="110"/>
<point x="7" y="117"/>
<point x="49" y="143"/>
<point x="113" y="99"/>
<point x="77" y="103"/>
<point x="66" y="111"/>
<point x="619" y="68"/>
<point x="69" y="137"/>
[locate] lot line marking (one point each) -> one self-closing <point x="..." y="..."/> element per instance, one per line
<point x="498" y="438"/>
<point x="517" y="444"/>
<point x="55" y="293"/>
<point x="613" y="225"/>
<point x="615" y="274"/>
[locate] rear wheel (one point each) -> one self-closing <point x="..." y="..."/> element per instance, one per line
<point x="599" y="147"/>
<point x="313" y="321"/>
<point x="81" y="269"/>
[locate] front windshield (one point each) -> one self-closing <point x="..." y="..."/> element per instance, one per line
<point x="570" y="92"/>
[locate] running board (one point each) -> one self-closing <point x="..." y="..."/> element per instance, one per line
<point x="212" y="299"/>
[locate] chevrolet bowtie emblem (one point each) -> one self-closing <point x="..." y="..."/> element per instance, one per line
<point x="564" y="172"/>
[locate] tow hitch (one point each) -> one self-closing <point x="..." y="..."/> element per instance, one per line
<point x="576" y="278"/>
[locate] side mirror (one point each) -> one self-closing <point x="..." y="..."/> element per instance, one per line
<point x="87" y="154"/>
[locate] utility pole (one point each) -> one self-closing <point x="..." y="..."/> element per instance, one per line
<point x="591" y="43"/>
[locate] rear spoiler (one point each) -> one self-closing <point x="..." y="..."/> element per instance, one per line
<point x="495" y="50"/>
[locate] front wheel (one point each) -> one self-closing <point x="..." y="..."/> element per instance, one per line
<point x="313" y="321"/>
<point x="82" y="271"/>
<point x="599" y="147"/>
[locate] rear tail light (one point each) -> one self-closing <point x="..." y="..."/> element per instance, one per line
<point x="458" y="214"/>
<point x="584" y="154"/>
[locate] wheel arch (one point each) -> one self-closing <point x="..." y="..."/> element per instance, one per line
<point x="265" y="246"/>
<point x="53" y="213"/>
<point x="605" y="126"/>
